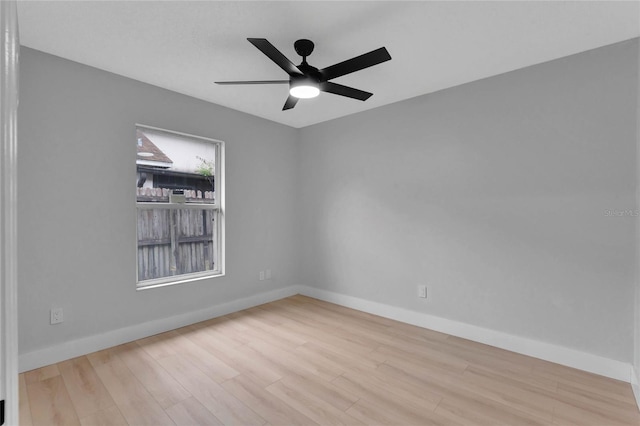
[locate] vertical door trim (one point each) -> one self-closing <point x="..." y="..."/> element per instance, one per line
<point x="10" y="48"/>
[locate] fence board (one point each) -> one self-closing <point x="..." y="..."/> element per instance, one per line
<point x="192" y="242"/>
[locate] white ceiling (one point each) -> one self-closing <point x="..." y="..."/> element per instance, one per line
<point x="185" y="46"/>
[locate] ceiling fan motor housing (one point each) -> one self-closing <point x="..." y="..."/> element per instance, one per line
<point x="308" y="72"/>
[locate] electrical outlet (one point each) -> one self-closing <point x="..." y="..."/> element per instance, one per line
<point x="261" y="275"/>
<point x="56" y="316"/>
<point x="267" y="274"/>
<point x="422" y="291"/>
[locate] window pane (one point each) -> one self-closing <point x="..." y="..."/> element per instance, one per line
<point x="176" y="242"/>
<point x="167" y="161"/>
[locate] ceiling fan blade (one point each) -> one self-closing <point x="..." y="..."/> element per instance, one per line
<point x="290" y="103"/>
<point x="349" y="92"/>
<point x="254" y="82"/>
<point x="275" y="55"/>
<point x="358" y="63"/>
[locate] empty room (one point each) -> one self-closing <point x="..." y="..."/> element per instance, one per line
<point x="318" y="213"/>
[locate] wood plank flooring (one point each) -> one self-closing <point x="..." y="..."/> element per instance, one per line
<point x="300" y="361"/>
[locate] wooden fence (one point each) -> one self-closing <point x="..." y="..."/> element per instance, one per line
<point x="174" y="241"/>
<point x="162" y="195"/>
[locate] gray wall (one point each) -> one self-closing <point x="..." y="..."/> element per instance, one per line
<point x="77" y="200"/>
<point x="494" y="195"/>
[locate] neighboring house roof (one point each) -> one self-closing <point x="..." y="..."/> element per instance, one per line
<point x="149" y="153"/>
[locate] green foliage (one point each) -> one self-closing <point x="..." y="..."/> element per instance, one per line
<point x="205" y="168"/>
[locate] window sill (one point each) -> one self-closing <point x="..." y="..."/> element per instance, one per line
<point x="162" y="282"/>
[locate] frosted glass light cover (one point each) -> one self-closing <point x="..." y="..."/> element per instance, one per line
<point x="304" y="92"/>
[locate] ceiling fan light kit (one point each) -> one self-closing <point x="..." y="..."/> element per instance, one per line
<point x="306" y="81"/>
<point x="304" y="87"/>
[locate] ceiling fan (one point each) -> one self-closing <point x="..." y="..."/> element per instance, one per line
<point x="306" y="81"/>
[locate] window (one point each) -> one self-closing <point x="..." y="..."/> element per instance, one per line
<point x="180" y="207"/>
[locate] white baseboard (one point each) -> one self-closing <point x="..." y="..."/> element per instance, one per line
<point x="546" y="351"/>
<point x="86" y="345"/>
<point x="635" y="385"/>
<point x="549" y="352"/>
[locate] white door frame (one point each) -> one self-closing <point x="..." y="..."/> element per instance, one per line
<point x="9" y="49"/>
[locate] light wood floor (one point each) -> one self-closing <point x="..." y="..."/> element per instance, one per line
<point x="303" y="361"/>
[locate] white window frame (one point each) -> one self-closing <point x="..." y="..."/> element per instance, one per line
<point x="218" y="206"/>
